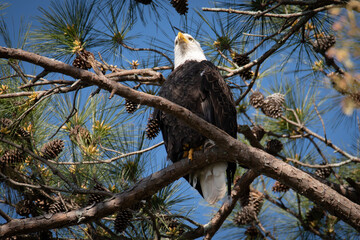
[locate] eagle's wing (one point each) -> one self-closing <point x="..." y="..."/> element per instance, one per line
<point x="219" y="109"/>
<point x="217" y="102"/>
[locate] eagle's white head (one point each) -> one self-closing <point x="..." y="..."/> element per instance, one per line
<point x="187" y="48"/>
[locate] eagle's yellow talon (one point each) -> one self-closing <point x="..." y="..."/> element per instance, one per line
<point x="191" y="152"/>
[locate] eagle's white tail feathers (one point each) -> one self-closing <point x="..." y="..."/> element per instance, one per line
<point x="213" y="181"/>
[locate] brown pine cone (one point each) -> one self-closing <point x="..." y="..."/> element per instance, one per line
<point x="181" y="6"/>
<point x="52" y="149"/>
<point x="257" y="99"/>
<point x="279" y="187"/>
<point x="152" y="128"/>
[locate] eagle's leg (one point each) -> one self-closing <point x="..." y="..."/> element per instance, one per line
<point x="190" y="153"/>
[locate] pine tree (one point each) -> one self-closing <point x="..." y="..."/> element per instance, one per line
<point x="65" y="127"/>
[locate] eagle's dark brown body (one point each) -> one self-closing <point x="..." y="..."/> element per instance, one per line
<point x="199" y="87"/>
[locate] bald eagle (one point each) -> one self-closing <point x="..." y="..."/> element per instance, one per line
<point x="197" y="85"/>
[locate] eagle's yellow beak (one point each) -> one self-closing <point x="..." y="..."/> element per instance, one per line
<point x="182" y="38"/>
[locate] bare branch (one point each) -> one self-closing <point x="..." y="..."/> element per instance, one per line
<point x="275" y="15"/>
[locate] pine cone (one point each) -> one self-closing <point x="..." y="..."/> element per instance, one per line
<point x="23" y="207"/>
<point x="57" y="207"/>
<point x="323" y="44"/>
<point x="42" y="203"/>
<point x="23" y="133"/>
<point x="96" y="198"/>
<point x="130" y="106"/>
<point x="257" y="99"/>
<point x="273" y="146"/>
<point x="122" y="220"/>
<point x="52" y="149"/>
<point x="277" y="97"/>
<point x="245" y="216"/>
<point x="258" y="132"/>
<point x="152" y="128"/>
<point x="251" y="208"/>
<point x="146" y="2"/>
<point x="6" y="122"/>
<point x="241" y="59"/>
<point x="12" y="157"/>
<point x="323" y="172"/>
<point x="181" y="6"/>
<point x="79" y="134"/>
<point x="273" y="105"/>
<point x="279" y="187"/>
<point x="80" y="63"/>
<point x="256" y="199"/>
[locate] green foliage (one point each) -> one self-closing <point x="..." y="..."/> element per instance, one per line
<point x="67" y="27"/>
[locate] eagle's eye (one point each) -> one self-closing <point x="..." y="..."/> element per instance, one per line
<point x="191" y="39"/>
<point x="176" y="41"/>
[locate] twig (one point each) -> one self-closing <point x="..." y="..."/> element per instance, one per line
<point x="46" y="82"/>
<point x="39" y="76"/>
<point x="5" y="216"/>
<point x="320" y="166"/>
<point x="251" y="84"/>
<point x="20" y="94"/>
<point x="72" y="112"/>
<point x="254" y="35"/>
<point x="321" y="119"/>
<point x="8" y="76"/>
<point x="275" y="15"/>
<point x="111" y="159"/>
<point x="54" y="189"/>
<point x="327" y="142"/>
<point x="149" y="49"/>
<point x="18" y="70"/>
<point x="226" y="58"/>
<point x="324" y="158"/>
<point x="267" y="233"/>
<point x="269" y="10"/>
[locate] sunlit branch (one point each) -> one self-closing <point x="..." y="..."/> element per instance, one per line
<point x="275" y="15"/>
